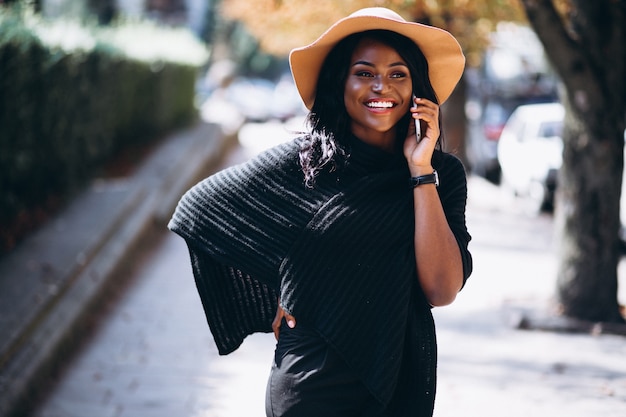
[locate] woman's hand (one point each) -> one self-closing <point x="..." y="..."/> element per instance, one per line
<point x="419" y="155"/>
<point x="280" y="313"/>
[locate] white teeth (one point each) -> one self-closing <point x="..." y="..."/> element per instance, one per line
<point x="380" y="104"/>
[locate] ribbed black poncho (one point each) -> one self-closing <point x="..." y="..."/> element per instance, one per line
<point x="340" y="256"/>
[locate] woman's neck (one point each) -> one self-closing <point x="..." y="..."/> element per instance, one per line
<point x="382" y="140"/>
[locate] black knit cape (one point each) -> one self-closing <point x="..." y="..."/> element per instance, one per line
<point x="339" y="255"/>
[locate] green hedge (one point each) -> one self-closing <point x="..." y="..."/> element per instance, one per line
<point x="71" y="96"/>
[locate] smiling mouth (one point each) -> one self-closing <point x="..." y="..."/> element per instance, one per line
<point x="380" y="104"/>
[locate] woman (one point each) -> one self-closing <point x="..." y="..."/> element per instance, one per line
<point x="356" y="229"/>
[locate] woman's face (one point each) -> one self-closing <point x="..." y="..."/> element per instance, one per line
<point x="378" y="92"/>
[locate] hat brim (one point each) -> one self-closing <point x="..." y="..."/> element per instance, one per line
<point x="446" y="61"/>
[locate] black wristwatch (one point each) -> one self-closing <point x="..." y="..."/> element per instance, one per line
<point x="425" y="179"/>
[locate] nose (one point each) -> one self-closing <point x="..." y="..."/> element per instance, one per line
<point x="378" y="84"/>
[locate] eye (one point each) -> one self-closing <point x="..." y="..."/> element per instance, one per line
<point x="398" y="74"/>
<point x="363" y="73"/>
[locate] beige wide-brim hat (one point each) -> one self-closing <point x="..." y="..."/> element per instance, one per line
<point x="446" y="61"/>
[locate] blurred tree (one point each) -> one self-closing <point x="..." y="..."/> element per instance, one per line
<point x="35" y="4"/>
<point x="104" y="10"/>
<point x="586" y="43"/>
<point x="281" y="25"/>
<point x="75" y="9"/>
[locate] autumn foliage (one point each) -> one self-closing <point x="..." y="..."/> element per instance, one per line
<point x="281" y="25"/>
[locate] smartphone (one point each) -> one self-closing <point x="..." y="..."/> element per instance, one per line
<point x="418" y="128"/>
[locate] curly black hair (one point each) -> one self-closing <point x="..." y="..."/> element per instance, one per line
<point x="326" y="146"/>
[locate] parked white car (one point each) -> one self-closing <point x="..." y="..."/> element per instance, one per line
<point x="530" y="152"/>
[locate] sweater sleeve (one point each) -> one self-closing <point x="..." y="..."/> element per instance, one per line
<point x="237" y="229"/>
<point x="234" y="303"/>
<point x="238" y="215"/>
<point x="453" y="195"/>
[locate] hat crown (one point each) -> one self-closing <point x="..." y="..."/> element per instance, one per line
<point x="378" y="12"/>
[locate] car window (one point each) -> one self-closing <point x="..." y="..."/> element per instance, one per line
<point x="550" y="129"/>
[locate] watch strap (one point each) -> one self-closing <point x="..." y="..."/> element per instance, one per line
<point x="425" y="179"/>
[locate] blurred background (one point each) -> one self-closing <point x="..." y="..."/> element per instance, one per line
<point x="110" y="109"/>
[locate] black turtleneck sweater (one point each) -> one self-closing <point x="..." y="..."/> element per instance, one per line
<point x="339" y="255"/>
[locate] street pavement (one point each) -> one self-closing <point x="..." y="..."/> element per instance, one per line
<point x="153" y="354"/>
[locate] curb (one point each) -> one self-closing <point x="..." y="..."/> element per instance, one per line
<point x="70" y="265"/>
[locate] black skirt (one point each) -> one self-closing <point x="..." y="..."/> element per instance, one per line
<point x="309" y="379"/>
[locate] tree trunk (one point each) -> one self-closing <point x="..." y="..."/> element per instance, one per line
<point x="588" y="222"/>
<point x="589" y="56"/>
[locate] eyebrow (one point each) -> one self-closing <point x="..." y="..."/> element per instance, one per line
<point x="369" y="64"/>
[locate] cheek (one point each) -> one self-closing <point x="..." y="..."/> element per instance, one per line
<point x="350" y="99"/>
<point x="408" y="99"/>
<point x="407" y="105"/>
<point x="350" y="92"/>
<point x="407" y="93"/>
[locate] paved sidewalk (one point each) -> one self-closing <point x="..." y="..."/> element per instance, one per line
<point x="49" y="283"/>
<point x="487" y="367"/>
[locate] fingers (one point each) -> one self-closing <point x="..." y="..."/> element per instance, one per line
<point x="278" y="318"/>
<point x="426" y="110"/>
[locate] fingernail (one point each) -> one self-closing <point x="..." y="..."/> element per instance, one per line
<point x="291" y="324"/>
